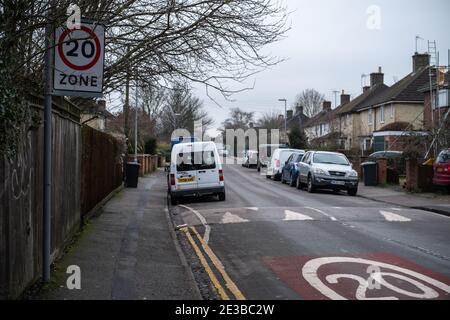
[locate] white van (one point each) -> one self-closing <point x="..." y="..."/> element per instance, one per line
<point x="277" y="162"/>
<point x="195" y="170"/>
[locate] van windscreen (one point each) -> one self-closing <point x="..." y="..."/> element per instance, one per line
<point x="192" y="161"/>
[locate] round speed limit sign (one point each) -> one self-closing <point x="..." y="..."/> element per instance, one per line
<point x="79" y="61"/>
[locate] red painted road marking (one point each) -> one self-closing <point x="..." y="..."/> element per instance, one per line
<point x="347" y="277"/>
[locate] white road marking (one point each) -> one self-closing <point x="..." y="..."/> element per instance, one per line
<point x="202" y="220"/>
<point x="295" y="216"/>
<point x="425" y="286"/>
<point x="232" y="218"/>
<point x="389" y="216"/>
<point x="324" y="213"/>
<point x="252" y="208"/>
<point x="396" y="209"/>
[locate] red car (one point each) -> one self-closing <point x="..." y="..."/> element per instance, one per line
<point x="442" y="169"/>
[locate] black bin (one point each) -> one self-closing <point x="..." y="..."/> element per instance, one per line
<point x="132" y="175"/>
<point x="370" y="173"/>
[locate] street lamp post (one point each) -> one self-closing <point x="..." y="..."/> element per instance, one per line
<point x="285" y="117"/>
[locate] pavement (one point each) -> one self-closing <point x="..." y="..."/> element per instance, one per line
<point x="272" y="241"/>
<point x="426" y="201"/>
<point x="129" y="251"/>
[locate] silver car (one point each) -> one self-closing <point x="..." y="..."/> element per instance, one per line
<point x="327" y="170"/>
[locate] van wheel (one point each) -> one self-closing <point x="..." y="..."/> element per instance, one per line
<point x="268" y="177"/>
<point x="222" y="196"/>
<point x="173" y="200"/>
<point x="352" y="192"/>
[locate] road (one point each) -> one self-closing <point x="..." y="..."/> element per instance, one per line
<point x="271" y="241"/>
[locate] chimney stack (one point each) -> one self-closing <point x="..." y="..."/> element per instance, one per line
<point x="376" y="78"/>
<point x="290" y="114"/>
<point x="345" y="98"/>
<point x="420" y="60"/>
<point x="299" y="110"/>
<point x="326" y="106"/>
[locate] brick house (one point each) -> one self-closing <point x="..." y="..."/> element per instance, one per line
<point x="401" y="103"/>
<point x="349" y="116"/>
<point x="322" y="129"/>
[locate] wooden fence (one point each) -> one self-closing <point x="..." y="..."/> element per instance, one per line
<point x="21" y="192"/>
<point x="86" y="168"/>
<point x="101" y="167"/>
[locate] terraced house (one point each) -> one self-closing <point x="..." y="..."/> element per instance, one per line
<point x="395" y="112"/>
<point x="381" y="116"/>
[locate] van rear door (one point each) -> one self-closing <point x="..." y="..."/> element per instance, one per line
<point x="186" y="174"/>
<point x="208" y="169"/>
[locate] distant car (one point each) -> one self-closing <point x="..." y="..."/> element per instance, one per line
<point x="250" y="159"/>
<point x="265" y="153"/>
<point x="289" y="173"/>
<point x="327" y="170"/>
<point x="223" y="152"/>
<point x="442" y="169"/>
<point x="386" y="154"/>
<point x="395" y="161"/>
<point x="277" y="162"/>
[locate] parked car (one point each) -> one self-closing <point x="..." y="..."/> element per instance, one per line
<point x="396" y="164"/>
<point x="327" y="170"/>
<point x="289" y="173"/>
<point x="250" y="159"/>
<point x="265" y="153"/>
<point x="442" y="169"/>
<point x="195" y="170"/>
<point x="277" y="162"/>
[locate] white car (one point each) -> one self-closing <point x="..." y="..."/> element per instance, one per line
<point x="277" y="161"/>
<point x="327" y="170"/>
<point x="195" y="170"/>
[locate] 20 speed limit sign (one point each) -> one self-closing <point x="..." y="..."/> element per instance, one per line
<point x="79" y="61"/>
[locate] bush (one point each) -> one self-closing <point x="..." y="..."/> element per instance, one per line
<point x="150" y="146"/>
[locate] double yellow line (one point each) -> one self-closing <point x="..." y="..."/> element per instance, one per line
<point x="230" y="285"/>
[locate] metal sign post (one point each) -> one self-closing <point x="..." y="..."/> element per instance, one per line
<point x="77" y="70"/>
<point x="46" y="246"/>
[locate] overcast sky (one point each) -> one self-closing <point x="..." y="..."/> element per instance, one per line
<point x="330" y="46"/>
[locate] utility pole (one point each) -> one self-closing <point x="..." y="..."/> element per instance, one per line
<point x="285" y="117"/>
<point x="136" y="121"/>
<point x="46" y="246"/>
<point x="126" y="107"/>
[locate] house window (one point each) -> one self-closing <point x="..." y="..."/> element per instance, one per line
<point x="382" y="114"/>
<point x="392" y="111"/>
<point x="370" y="117"/>
<point x="443" y="98"/>
<point x="366" y="144"/>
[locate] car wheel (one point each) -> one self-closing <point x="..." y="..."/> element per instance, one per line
<point x="311" y="188"/>
<point x="293" y="182"/>
<point x="222" y="196"/>
<point x="298" y="183"/>
<point x="352" y="192"/>
<point x="283" y="181"/>
<point x="258" y="168"/>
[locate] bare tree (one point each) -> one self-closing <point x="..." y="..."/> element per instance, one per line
<point x="271" y="120"/>
<point x="239" y="119"/>
<point x="311" y="100"/>
<point x="163" y="42"/>
<point x="181" y="111"/>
